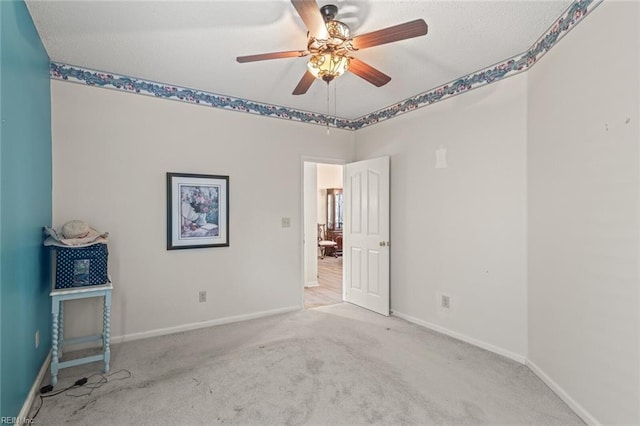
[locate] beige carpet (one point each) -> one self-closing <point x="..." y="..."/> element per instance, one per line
<point x="337" y="365"/>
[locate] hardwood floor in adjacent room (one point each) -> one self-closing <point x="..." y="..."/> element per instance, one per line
<point x="329" y="291"/>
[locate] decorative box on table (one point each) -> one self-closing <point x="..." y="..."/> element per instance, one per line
<point x="80" y="266"/>
<point x="80" y="255"/>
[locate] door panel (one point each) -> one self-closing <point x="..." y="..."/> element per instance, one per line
<point x="374" y="272"/>
<point x="356" y="267"/>
<point x="366" y="234"/>
<point x="355" y="198"/>
<point x="373" y="209"/>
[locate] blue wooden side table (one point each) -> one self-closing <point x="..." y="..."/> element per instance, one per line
<point x="58" y="297"/>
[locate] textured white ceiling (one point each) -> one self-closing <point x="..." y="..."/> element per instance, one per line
<point x="194" y="44"/>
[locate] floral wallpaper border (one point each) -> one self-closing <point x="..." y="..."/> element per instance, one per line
<point x="144" y="87"/>
<point x="507" y="68"/>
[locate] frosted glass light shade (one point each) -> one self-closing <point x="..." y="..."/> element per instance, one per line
<point x="327" y="66"/>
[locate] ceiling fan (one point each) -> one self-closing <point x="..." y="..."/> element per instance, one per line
<point x="330" y="45"/>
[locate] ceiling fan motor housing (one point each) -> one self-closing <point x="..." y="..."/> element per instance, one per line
<point x="338" y="31"/>
<point x="339" y="35"/>
<point x="337" y="42"/>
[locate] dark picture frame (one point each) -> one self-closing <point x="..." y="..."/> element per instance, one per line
<point x="197" y="211"/>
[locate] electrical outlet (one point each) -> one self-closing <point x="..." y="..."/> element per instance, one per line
<point x="202" y="296"/>
<point x="286" y="222"/>
<point x="37" y="338"/>
<point x="445" y="301"/>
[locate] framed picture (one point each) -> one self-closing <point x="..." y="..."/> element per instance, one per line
<point x="197" y="211"/>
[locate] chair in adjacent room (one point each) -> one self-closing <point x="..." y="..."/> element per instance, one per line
<point x="324" y="244"/>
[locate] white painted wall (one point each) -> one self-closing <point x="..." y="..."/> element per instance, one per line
<point x="330" y="175"/>
<point x="460" y="230"/>
<point x="310" y="224"/>
<point x="584" y="217"/>
<point x="111" y="151"/>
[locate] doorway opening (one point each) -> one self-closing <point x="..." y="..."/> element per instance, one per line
<point x="323" y="230"/>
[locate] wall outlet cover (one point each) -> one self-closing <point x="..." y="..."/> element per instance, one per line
<point x="441" y="158"/>
<point x="445" y="301"/>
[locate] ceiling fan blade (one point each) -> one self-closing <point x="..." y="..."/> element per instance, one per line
<point x="369" y="73"/>
<point x="312" y="18"/>
<point x="273" y="55"/>
<point x="304" y="84"/>
<point x="399" y="32"/>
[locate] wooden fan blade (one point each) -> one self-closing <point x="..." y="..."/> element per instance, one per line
<point x="369" y="73"/>
<point x="273" y="55"/>
<point x="304" y="84"/>
<point x="312" y="18"/>
<point x="399" y="32"/>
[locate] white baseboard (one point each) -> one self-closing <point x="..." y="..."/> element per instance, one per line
<point x="562" y="394"/>
<point x="476" y="342"/>
<point x="203" y="324"/>
<point x="577" y="408"/>
<point x="557" y="389"/>
<point x="35" y="389"/>
<point x="312" y="284"/>
<point x="180" y="328"/>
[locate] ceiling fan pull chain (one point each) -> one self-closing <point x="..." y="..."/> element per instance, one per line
<point x="328" y="112"/>
<point x="335" y="104"/>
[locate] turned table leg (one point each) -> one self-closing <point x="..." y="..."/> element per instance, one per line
<point x="55" y="311"/>
<point x="106" y="330"/>
<point x="61" y="330"/>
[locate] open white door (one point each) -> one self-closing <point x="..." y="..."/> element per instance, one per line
<point x="366" y="234"/>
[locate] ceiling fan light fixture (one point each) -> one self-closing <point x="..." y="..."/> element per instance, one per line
<point x="328" y="66"/>
<point x="330" y="44"/>
<point x="338" y="32"/>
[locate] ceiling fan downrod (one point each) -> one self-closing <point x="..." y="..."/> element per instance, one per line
<point x="329" y="12"/>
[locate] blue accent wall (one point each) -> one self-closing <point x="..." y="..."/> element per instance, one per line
<point x="25" y="204"/>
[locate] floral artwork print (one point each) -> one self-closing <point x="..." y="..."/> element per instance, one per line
<point x="199" y="211"/>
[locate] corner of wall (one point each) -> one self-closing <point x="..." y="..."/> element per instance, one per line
<point x="25" y="182"/>
<point x="583" y="231"/>
<point x="1" y="320"/>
